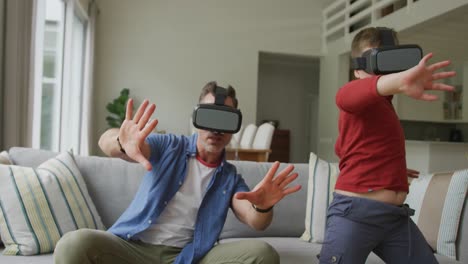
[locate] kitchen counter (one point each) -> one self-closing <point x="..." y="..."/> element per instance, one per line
<point x="438" y="142"/>
<point x="436" y="156"/>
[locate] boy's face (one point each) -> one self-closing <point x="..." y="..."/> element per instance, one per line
<point x="361" y="74"/>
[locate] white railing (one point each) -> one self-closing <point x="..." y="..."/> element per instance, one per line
<point x="343" y="17"/>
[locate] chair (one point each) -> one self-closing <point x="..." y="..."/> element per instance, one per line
<point x="263" y="136"/>
<point x="236" y="138"/>
<point x="248" y="136"/>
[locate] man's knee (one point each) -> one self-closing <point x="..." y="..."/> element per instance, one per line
<point x="75" y="245"/>
<point x="265" y="253"/>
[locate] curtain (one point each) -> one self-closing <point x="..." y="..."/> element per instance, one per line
<point x="86" y="133"/>
<point x="16" y="94"/>
<point x="2" y="19"/>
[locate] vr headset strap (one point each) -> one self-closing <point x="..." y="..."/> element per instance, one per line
<point x="220" y="95"/>
<point x="359" y="63"/>
<point x="386" y="36"/>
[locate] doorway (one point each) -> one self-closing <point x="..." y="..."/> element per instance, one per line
<point x="288" y="92"/>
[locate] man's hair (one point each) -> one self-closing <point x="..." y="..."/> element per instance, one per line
<point x="210" y="89"/>
<point x="368" y="37"/>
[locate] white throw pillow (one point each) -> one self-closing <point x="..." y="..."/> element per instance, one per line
<point x="38" y="206"/>
<point x="320" y="187"/>
<point x="5" y="158"/>
<point x="438" y="201"/>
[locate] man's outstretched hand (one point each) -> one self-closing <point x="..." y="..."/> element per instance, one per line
<point x="134" y="131"/>
<point x="271" y="189"/>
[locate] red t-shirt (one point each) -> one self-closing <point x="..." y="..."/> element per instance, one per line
<point x="371" y="143"/>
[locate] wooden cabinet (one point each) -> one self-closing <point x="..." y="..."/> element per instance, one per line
<point x="280" y="146"/>
<point x="258" y="155"/>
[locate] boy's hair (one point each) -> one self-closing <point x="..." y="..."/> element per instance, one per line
<point x="211" y="87"/>
<point x="368" y="37"/>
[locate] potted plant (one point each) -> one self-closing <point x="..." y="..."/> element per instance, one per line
<point x="117" y="109"/>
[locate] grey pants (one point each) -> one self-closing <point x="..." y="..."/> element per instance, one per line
<point x="86" y="246"/>
<point x="357" y="226"/>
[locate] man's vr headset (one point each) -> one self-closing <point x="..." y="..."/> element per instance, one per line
<point x="388" y="58"/>
<point x="217" y="117"/>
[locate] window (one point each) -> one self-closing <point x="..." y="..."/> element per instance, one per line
<point x="60" y="48"/>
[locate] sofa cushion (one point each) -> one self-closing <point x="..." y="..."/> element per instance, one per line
<point x="291" y="250"/>
<point x="320" y="187"/>
<point x="297" y="251"/>
<point x="38" y="259"/>
<point x="288" y="214"/>
<point x="438" y="200"/>
<point x="5" y="158"/>
<point x="112" y="182"/>
<point x="40" y="205"/>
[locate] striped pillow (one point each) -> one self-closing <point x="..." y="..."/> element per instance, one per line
<point x="438" y="200"/>
<point x="320" y="187"/>
<point x="40" y="205"/>
<point x="4" y="159"/>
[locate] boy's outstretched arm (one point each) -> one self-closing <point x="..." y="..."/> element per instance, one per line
<point x="415" y="81"/>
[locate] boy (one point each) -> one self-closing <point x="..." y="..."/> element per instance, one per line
<point x="367" y="212"/>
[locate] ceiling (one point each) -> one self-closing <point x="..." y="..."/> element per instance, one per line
<point x="446" y="35"/>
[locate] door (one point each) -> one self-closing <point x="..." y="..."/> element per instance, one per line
<point x="287" y="92"/>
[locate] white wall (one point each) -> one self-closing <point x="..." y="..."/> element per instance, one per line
<point x="167" y="50"/>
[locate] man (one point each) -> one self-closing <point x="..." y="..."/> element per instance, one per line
<point x="180" y="208"/>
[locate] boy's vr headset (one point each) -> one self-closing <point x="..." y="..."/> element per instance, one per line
<point x="388" y="58"/>
<point x="217" y="117"/>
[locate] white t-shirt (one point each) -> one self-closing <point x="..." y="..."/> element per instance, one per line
<point x="176" y="224"/>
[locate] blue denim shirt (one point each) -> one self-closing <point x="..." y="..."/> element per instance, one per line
<point x="169" y="158"/>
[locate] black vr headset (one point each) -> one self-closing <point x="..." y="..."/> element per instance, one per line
<point x="388" y="58"/>
<point x="217" y="117"/>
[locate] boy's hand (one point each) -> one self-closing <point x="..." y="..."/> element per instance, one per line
<point x="417" y="80"/>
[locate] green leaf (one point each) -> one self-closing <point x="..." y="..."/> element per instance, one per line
<point x="122" y="116"/>
<point x="121" y="100"/>
<point x="114" y="124"/>
<point x="117" y="108"/>
<point x="120" y="108"/>
<point x="125" y="92"/>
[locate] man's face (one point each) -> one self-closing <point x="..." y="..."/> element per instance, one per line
<point x="209" y="141"/>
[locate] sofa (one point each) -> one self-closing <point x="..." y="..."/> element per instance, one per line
<point x="112" y="184"/>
